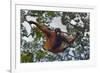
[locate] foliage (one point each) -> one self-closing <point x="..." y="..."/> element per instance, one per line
<point x="26" y="57"/>
<point x="40" y="54"/>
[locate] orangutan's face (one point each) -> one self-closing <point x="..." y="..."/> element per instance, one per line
<point x="58" y="33"/>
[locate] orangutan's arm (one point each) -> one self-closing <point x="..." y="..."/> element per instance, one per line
<point x="41" y="27"/>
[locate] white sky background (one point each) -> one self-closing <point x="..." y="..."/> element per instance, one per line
<point x="56" y="23"/>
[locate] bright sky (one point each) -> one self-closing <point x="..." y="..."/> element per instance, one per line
<point x="56" y="23"/>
